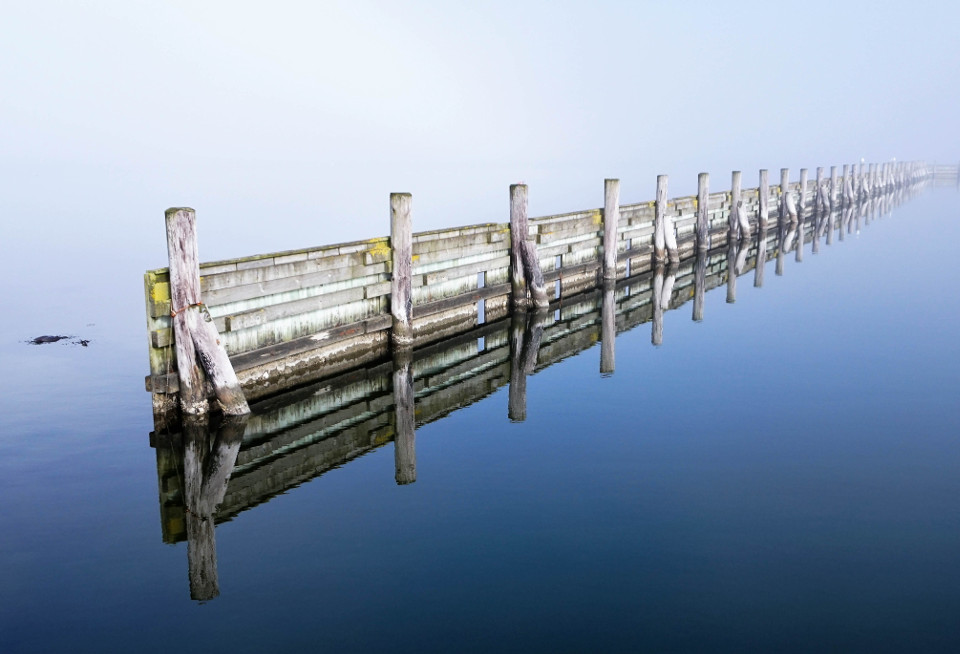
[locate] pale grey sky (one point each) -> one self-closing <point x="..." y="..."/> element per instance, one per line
<point x="287" y="124"/>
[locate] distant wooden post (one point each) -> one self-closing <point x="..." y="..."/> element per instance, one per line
<point x="195" y="335"/>
<point x="659" y="219"/>
<point x="401" y="286"/>
<point x="833" y="187"/>
<point x="703" y="208"/>
<point x="763" y="198"/>
<point x="784" y="192"/>
<point x="611" y="218"/>
<point x="802" y="195"/>
<point x="733" y="221"/>
<point x="699" y="284"/>
<point x="404" y="440"/>
<point x="525" y="270"/>
<point x="608" y="328"/>
<point x="819" y="194"/>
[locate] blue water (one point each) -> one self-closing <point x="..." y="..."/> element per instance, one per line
<point x="782" y="476"/>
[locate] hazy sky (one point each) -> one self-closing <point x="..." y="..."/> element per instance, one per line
<point x="287" y="124"/>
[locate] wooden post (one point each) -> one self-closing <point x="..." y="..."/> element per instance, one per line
<point x="784" y="193"/>
<point x="195" y="335"/>
<point x="763" y="199"/>
<point x="820" y="193"/>
<point x="733" y="220"/>
<point x="703" y="208"/>
<point x="833" y="187"/>
<point x="611" y="218"/>
<point x="699" y="284"/>
<point x="659" y="217"/>
<point x="802" y="195"/>
<point x="525" y="273"/>
<point x="608" y="328"/>
<point x="401" y="279"/>
<point x="404" y="440"/>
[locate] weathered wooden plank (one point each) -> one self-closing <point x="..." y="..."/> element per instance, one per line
<point x="254" y="317"/>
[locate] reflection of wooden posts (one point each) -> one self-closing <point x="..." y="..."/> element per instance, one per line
<point x="847" y="186"/>
<point x="819" y="208"/>
<point x="195" y="335"/>
<point x="763" y="199"/>
<point x="732" y="252"/>
<point x="401" y="278"/>
<point x="525" y="273"/>
<point x="761" y="257"/>
<point x="703" y="208"/>
<point x="611" y="218"/>
<point x="526" y="332"/>
<point x="207" y="464"/>
<point x="608" y="328"/>
<point x="781" y="243"/>
<point x="699" y="284"/>
<point x="663" y="281"/>
<point x="404" y="440"/>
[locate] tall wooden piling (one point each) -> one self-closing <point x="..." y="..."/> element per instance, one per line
<point x="401" y="279"/>
<point x="404" y="441"/>
<point x="525" y="273"/>
<point x="732" y="252"/>
<point x="195" y="335"/>
<point x="784" y="193"/>
<point x="659" y="219"/>
<point x="733" y="220"/>
<point x="763" y="199"/>
<point x="611" y="218"/>
<point x="656" y="331"/>
<point x="802" y="194"/>
<point x="833" y="187"/>
<point x="703" y="208"/>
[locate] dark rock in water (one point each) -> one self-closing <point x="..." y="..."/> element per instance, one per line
<point x="83" y="341"/>
<point x="40" y="340"/>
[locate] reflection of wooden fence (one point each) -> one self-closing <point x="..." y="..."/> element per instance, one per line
<point x="288" y="318"/>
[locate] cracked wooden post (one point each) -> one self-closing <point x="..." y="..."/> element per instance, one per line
<point x="404" y="439"/>
<point x="401" y="278"/>
<point x="733" y="220"/>
<point x="525" y="273"/>
<point x="703" y="208"/>
<point x="195" y="335"/>
<point x="611" y="218"/>
<point x="608" y="328"/>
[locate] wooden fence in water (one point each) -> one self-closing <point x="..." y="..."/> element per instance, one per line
<point x="207" y="476"/>
<point x="288" y="318"/>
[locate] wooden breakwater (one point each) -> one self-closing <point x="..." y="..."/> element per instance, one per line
<point x="209" y="476"/>
<point x="285" y="319"/>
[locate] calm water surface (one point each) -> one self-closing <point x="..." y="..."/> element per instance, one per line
<point x="782" y="476"/>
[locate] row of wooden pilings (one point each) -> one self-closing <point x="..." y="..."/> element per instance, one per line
<point x="198" y="346"/>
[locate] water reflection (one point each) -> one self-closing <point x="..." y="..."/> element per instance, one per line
<point x="209" y="473"/>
